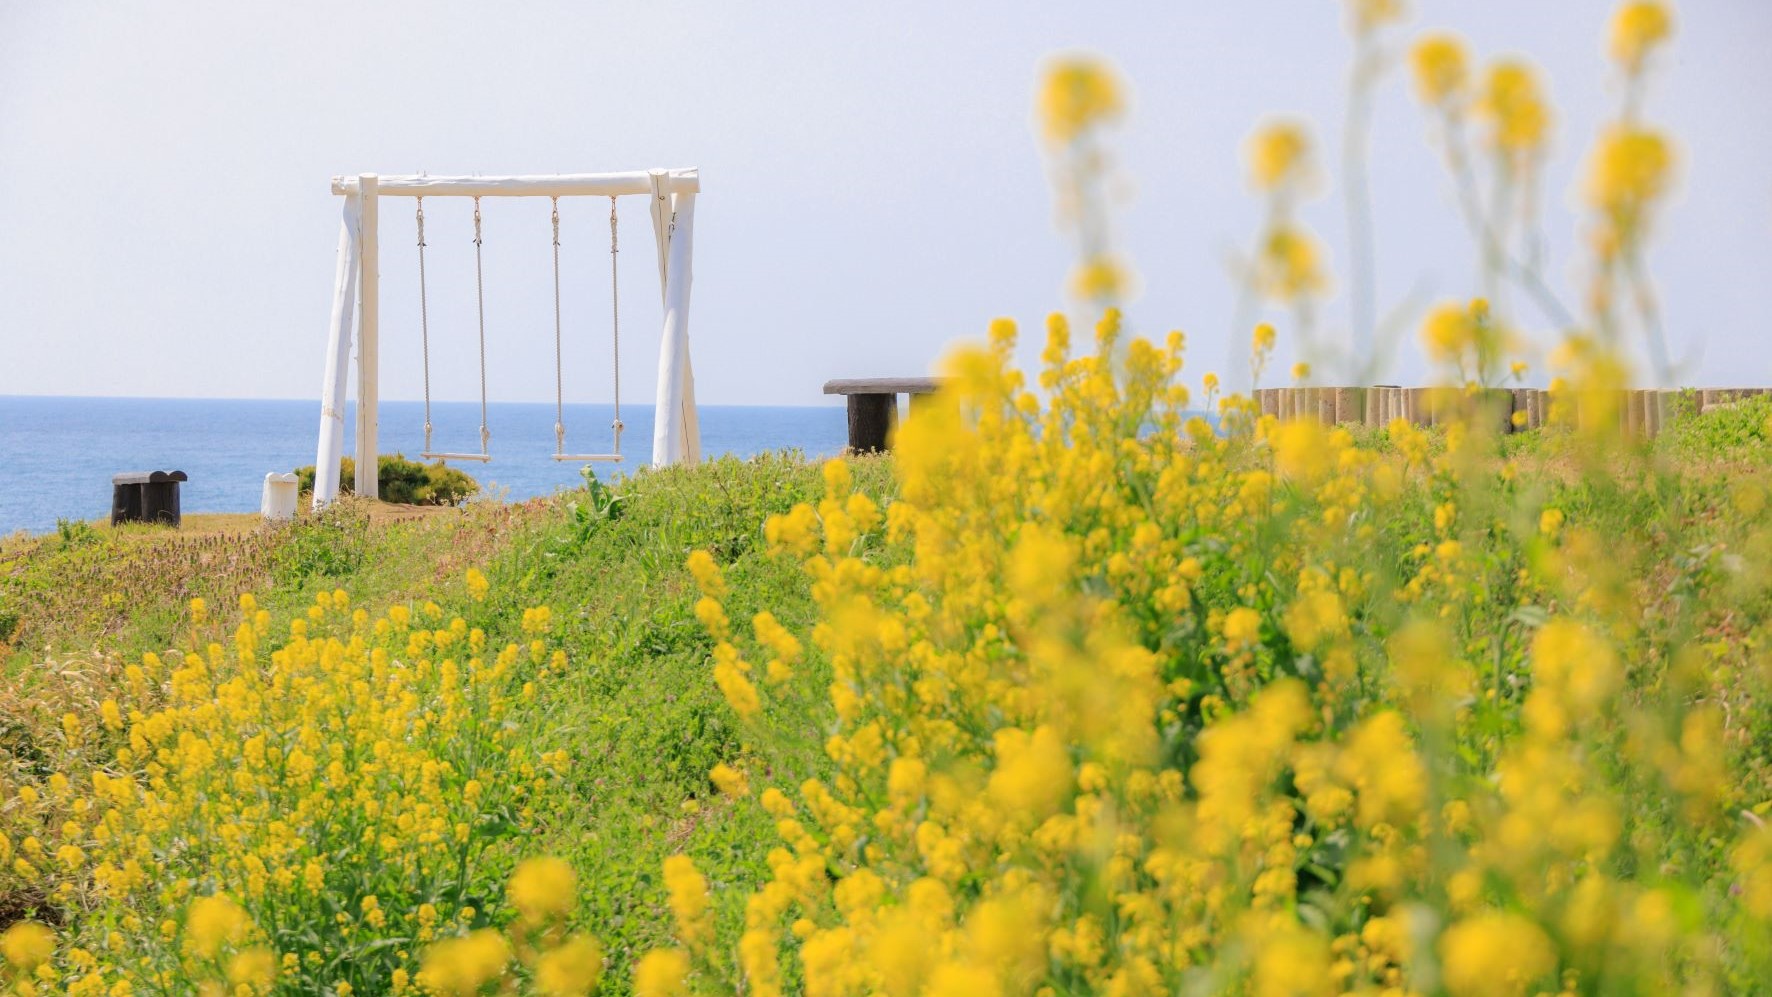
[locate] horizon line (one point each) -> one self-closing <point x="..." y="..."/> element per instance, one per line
<point x="352" y="402"/>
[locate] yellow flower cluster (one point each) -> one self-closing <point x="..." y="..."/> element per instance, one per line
<point x="1125" y="706"/>
<point x="1290" y="264"/>
<point x="1441" y="67"/>
<point x="1466" y="341"/>
<point x="1514" y="106"/>
<point x="248" y="813"/>
<point x="1279" y="154"/>
<point x="1631" y="170"/>
<point x="536" y="948"/>
<point x="1076" y="94"/>
<point x="1368" y="15"/>
<point x="1637" y="29"/>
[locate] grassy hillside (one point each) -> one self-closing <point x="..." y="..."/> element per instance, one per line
<point x="634" y="709"/>
<point x="632" y="722"/>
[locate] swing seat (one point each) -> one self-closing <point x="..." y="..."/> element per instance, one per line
<point x="482" y="458"/>
<point x="586" y="458"/>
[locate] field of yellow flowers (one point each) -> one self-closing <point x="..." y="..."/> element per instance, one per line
<point x="1075" y="693"/>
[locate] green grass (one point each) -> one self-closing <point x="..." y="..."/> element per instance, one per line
<point x="636" y="709"/>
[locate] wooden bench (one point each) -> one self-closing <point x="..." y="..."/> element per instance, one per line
<point x="873" y="406"/>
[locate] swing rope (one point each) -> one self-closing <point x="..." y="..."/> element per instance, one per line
<point x="615" y="322"/>
<point x="424" y="325"/>
<point x="560" y="453"/>
<point x="480" y="305"/>
<point x="559" y="377"/>
<point x="424" y="319"/>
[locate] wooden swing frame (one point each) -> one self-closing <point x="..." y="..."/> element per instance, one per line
<point x="356" y="302"/>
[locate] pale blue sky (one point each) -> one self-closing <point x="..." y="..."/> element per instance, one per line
<point x="872" y="188"/>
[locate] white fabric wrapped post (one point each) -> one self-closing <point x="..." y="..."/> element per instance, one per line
<point x="280" y="497"/>
<point x="675" y="439"/>
<point x="338" y="359"/>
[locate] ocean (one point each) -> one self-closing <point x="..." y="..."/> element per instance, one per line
<point x="57" y="455"/>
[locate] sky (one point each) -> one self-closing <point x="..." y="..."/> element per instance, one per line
<point x="873" y="186"/>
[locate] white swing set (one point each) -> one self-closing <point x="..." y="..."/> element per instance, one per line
<point x="356" y="294"/>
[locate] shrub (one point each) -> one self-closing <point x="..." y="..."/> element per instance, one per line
<point x="402" y="481"/>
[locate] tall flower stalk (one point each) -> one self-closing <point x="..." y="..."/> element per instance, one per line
<point x="1079" y="98"/>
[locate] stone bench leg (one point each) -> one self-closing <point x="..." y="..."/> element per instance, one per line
<point x="871" y="421"/>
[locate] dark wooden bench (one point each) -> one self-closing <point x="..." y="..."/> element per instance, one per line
<point x="873" y="406"/>
<point x="146" y="497"/>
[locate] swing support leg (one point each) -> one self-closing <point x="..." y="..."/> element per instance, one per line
<point x="369" y="342"/>
<point x="675" y="436"/>
<point x="338" y="359"/>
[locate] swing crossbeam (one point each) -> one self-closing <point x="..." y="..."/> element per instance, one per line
<point x="561" y="185"/>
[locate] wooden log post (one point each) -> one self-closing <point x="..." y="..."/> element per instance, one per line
<point x="1347" y="405"/>
<point x="872" y="420"/>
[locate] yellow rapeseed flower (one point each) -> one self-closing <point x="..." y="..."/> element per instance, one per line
<point x="1447" y="332"/>
<point x="1076" y="93"/>
<point x="1289" y="265"/>
<point x="662" y="973"/>
<point x="690" y="905"/>
<point x="1514" y="105"/>
<point x="27" y="945"/>
<point x="571" y="970"/>
<point x="1631" y="168"/>
<point x="254" y="968"/>
<point x="1242" y="629"/>
<point x="215" y="921"/>
<point x="460" y="967"/>
<point x="543" y="889"/>
<point x="1366" y="15"/>
<point x="1495" y="954"/>
<point x="1441" y="67"/>
<point x="1100" y="278"/>
<point x="1637" y="28"/>
<point x="730" y="781"/>
<point x="1302" y="450"/>
<point x="1279" y="154"/>
<point x="477" y="585"/>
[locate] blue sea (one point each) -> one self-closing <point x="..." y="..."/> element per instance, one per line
<point x="57" y="455"/>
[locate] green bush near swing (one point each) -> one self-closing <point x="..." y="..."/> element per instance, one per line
<point x="402" y="481"/>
